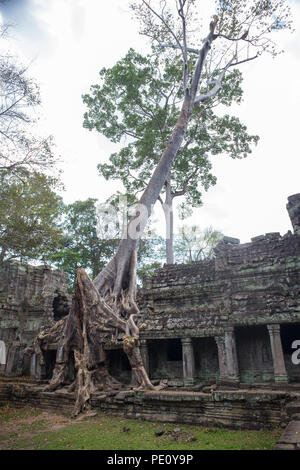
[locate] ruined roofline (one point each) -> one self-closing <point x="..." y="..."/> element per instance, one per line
<point x="30" y="266"/>
<point x="230" y="252"/>
<point x="293" y="208"/>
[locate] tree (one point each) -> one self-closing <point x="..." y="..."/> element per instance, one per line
<point x="139" y="98"/>
<point x="108" y="302"/>
<point x="19" y="99"/>
<point x="113" y="218"/>
<point x="193" y="244"/>
<point x="30" y="213"/>
<point x="92" y="233"/>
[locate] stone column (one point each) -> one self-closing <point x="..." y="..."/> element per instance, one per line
<point x="145" y="354"/>
<point x="220" y="340"/>
<point x="37" y="371"/>
<point x="280" y="373"/>
<point x="228" y="363"/>
<point x="188" y="361"/>
<point x="33" y="362"/>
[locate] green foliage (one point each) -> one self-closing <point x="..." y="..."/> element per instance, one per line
<point x="261" y="17"/>
<point x="30" y="211"/>
<point x="151" y="256"/>
<point x="81" y="245"/>
<point x="192" y="244"/>
<point x="138" y="99"/>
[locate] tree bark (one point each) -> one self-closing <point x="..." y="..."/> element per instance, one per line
<point x="169" y="219"/>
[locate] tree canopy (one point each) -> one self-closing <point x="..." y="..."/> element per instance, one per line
<point x="195" y="244"/>
<point x="30" y="212"/>
<point x="139" y="98"/>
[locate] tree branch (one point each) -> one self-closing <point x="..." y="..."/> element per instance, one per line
<point x="174" y="46"/>
<point x="218" y="84"/>
<point x="183" y="191"/>
<point x="166" y="25"/>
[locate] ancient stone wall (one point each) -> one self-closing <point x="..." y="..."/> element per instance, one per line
<point x="244" y="301"/>
<point x="246" y="409"/>
<point x="31" y="298"/>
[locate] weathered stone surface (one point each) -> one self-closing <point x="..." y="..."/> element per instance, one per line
<point x="235" y="409"/>
<point x="290" y="438"/>
<point x="293" y="208"/>
<point x="251" y="288"/>
<point x="31" y="298"/>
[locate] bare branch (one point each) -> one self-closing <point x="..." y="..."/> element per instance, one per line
<point x="160" y="17"/>
<point x="174" y="46"/>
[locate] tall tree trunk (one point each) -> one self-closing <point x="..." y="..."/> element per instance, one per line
<point x="109" y="301"/>
<point x="169" y="220"/>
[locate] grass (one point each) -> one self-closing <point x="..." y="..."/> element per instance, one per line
<point x="105" y="432"/>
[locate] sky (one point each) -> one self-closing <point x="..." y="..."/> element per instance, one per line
<point x="66" y="43"/>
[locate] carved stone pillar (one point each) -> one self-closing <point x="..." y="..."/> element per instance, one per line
<point x="280" y="374"/>
<point x="188" y="361"/>
<point x="37" y="371"/>
<point x="145" y="354"/>
<point x="228" y="363"/>
<point x="220" y="340"/>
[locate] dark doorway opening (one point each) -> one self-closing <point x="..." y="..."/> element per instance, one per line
<point x="72" y="371"/>
<point x="174" y="350"/>
<point x="119" y="366"/>
<point x="60" y="307"/>
<point x="49" y="358"/>
<point x="254" y="354"/>
<point x="165" y="358"/>
<point x="206" y="358"/>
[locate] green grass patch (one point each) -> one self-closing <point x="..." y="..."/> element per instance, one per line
<point x="7" y="413"/>
<point x="112" y="433"/>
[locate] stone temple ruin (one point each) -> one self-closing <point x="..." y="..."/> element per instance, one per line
<point x="220" y="334"/>
<point x="30" y="299"/>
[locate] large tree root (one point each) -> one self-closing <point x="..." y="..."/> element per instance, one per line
<point x="90" y="320"/>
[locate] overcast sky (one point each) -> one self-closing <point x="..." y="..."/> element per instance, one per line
<point x="67" y="42"/>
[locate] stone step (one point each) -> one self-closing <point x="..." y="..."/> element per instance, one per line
<point x="293" y="408"/>
<point x="290" y="439"/>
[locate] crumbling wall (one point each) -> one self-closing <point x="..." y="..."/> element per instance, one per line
<point x="31" y="298"/>
<point x="240" y="300"/>
<point x="244" y="284"/>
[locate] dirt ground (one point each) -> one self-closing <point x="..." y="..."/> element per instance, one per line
<point x="13" y="426"/>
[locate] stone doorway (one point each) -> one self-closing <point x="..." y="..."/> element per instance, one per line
<point x="206" y="359"/>
<point x="165" y="359"/>
<point x="49" y="358"/>
<point x="119" y="366"/>
<point x="254" y="354"/>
